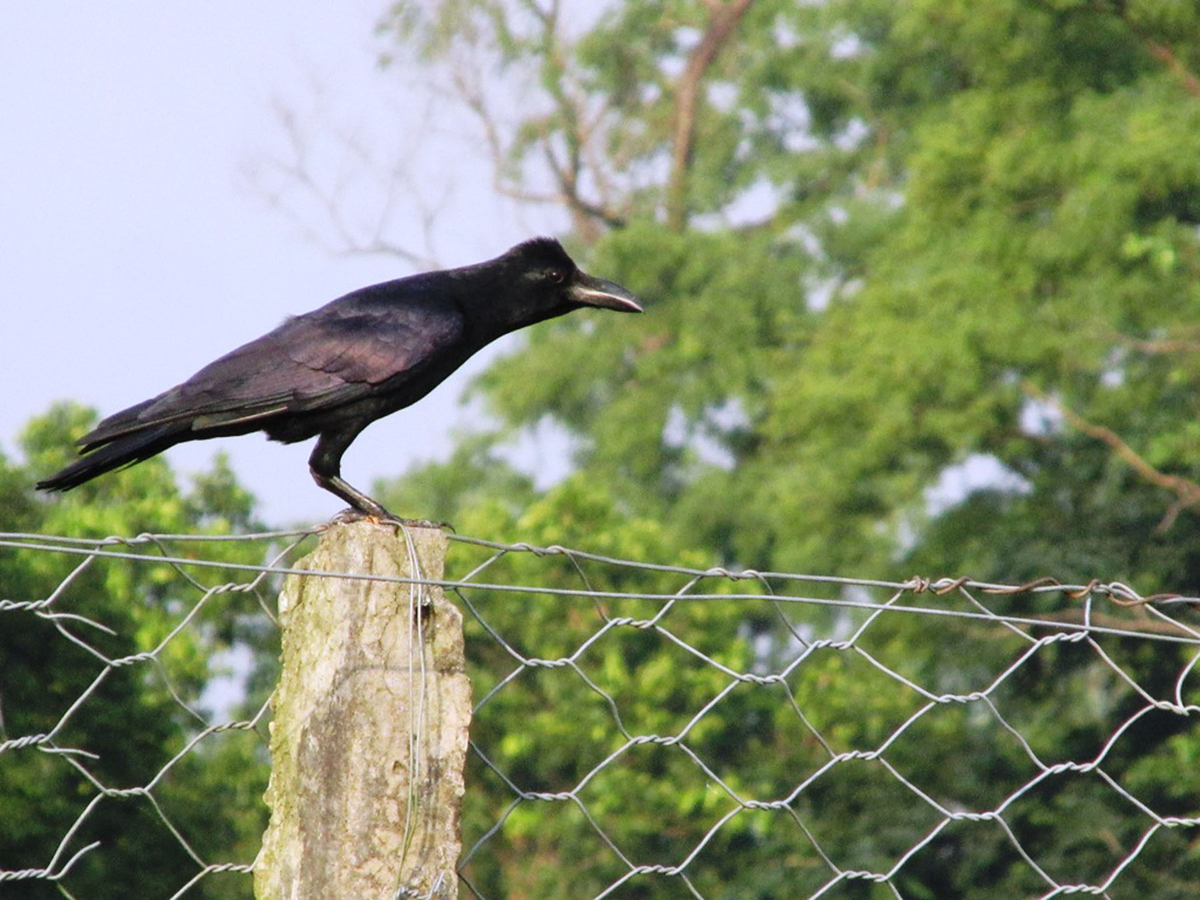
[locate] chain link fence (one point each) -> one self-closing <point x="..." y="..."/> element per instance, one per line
<point x="641" y="730"/>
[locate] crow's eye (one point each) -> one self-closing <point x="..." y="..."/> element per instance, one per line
<point x="556" y="276"/>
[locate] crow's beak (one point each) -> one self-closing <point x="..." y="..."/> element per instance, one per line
<point x="591" y="291"/>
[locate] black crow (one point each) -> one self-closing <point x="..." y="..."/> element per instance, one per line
<point x="332" y="372"/>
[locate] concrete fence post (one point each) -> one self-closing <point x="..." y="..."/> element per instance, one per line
<point x="371" y="718"/>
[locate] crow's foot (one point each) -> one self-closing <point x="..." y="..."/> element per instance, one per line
<point x="383" y="517"/>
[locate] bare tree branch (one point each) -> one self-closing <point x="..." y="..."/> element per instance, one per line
<point x="472" y="97"/>
<point x="1145" y="625"/>
<point x="587" y="215"/>
<point x="331" y="229"/>
<point x="1165" y="345"/>
<point x="724" y="18"/>
<point x="1186" y="490"/>
<point x="571" y="124"/>
<point x="1165" y="55"/>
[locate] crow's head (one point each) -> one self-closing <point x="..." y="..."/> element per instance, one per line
<point x="550" y="278"/>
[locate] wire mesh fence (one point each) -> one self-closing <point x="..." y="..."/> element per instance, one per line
<point x="641" y="729"/>
<point x="126" y="746"/>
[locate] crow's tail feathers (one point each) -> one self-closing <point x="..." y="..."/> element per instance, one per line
<point x="125" y="450"/>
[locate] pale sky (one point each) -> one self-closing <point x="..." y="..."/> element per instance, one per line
<point x="134" y="247"/>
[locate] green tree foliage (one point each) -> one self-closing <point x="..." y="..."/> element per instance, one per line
<point x="886" y="247"/>
<point x="963" y="201"/>
<point x="132" y="721"/>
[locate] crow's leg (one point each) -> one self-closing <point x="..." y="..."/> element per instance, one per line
<point x="326" y="467"/>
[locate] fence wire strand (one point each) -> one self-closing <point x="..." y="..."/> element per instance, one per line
<point x="786" y="715"/>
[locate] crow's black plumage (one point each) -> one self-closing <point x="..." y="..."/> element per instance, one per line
<point x="332" y="372"/>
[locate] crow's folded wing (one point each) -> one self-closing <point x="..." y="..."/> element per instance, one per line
<point x="309" y="363"/>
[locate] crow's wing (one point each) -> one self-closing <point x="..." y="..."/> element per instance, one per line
<point x="312" y="362"/>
